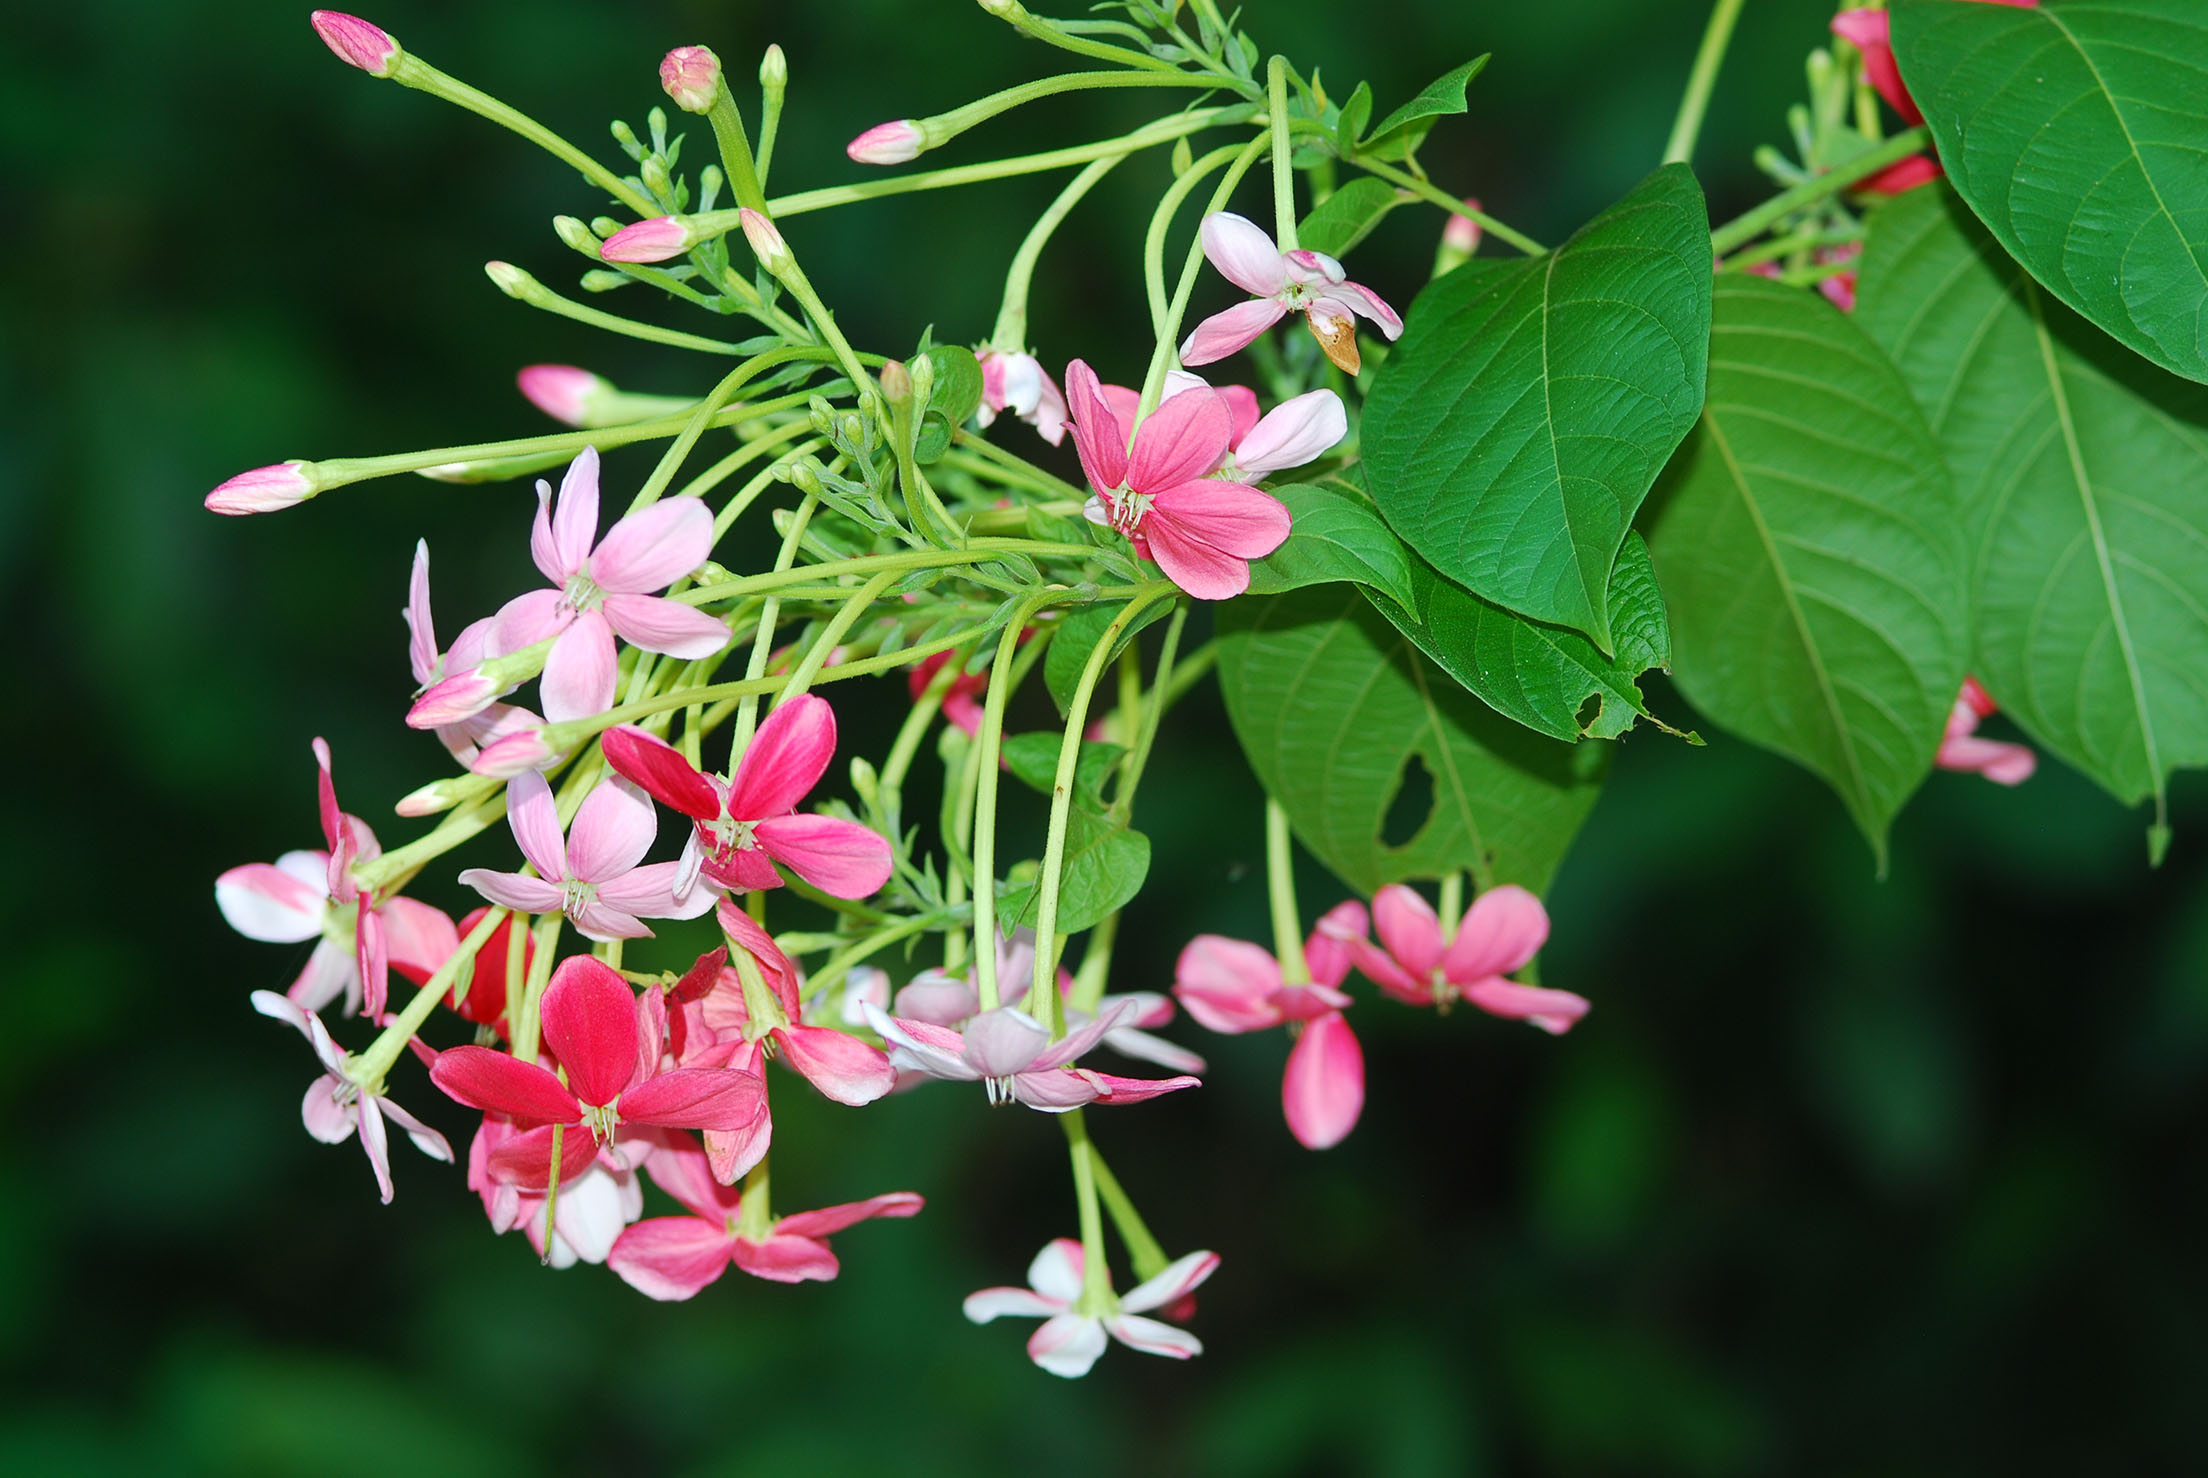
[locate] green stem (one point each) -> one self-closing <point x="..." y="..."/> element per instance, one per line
<point x="986" y="763"/>
<point x="915" y="728"/>
<point x="1096" y="1280"/>
<point x="672" y="459"/>
<point x="522" y="1022"/>
<point x="944" y="127"/>
<point x="1284" y="170"/>
<point x="1163" y="356"/>
<point x="370" y="1067"/>
<point x="747" y="710"/>
<point x="1010" y="334"/>
<point x="1161" y="222"/>
<point x="1716" y="37"/>
<point x="1427" y="190"/>
<point x="1153" y="712"/>
<point x="832" y="633"/>
<point x="412" y="71"/>
<point x="1452" y="904"/>
<point x="736" y="158"/>
<point x="1143" y="1250"/>
<point x="1038" y="29"/>
<point x="1280" y="888"/>
<point x="523" y="288"/>
<point x="1746" y="228"/>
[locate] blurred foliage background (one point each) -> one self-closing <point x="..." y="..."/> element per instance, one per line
<point x="1841" y="1175"/>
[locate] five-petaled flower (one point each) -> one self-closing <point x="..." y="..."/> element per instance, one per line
<point x="749" y="822"/>
<point x="1012" y="1055"/>
<point x="1503" y="929"/>
<point x="592" y="874"/>
<point x="1073" y="1333"/>
<point x="1017" y="382"/>
<point x="336" y="1107"/>
<point x="1283" y="282"/>
<point x="1201" y="530"/>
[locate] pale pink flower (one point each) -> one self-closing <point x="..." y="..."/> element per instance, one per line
<point x="1072" y="1336"/>
<point x="941" y="999"/>
<point x="673" y="1257"/>
<point x="1233" y="986"/>
<point x="899" y="141"/>
<point x="1502" y="930"/>
<point x="591" y="1027"/>
<point x="593" y="874"/>
<point x="336" y="1107"/>
<point x="692" y="77"/>
<point x="1307" y="282"/>
<point x="747" y="823"/>
<point x="1012" y="1055"/>
<point x="654" y="240"/>
<point x="1017" y="382"/>
<point x="1200" y="530"/>
<point x="1962" y="749"/>
<point x="600" y="1195"/>
<point x="603" y="591"/>
<point x="562" y="391"/>
<point x="485" y="727"/>
<point x="311" y="895"/>
<point x="264" y="489"/>
<point x="359" y="43"/>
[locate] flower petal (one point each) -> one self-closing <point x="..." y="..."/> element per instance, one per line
<point x="612" y="830"/>
<point x="417" y="937"/>
<point x="512" y="890"/>
<point x="1143" y="1047"/>
<point x="262" y="901"/>
<point x="326" y="1115"/>
<point x="376" y="1144"/>
<point x="1099" y="436"/>
<point x="662" y="771"/>
<point x="682" y="1170"/>
<point x="1081" y="1038"/>
<point x="574" y="518"/>
<point x="589" y="1016"/>
<point x="657" y="624"/>
<point x="1175" y="1281"/>
<point x="1351" y="297"/>
<point x="938" y="999"/>
<point x="671" y="1257"/>
<point x="844" y="858"/>
<point x="1228" y="516"/>
<point x="1409" y="930"/>
<point x="1504" y="928"/>
<point x="421" y="635"/>
<point x="522" y="622"/>
<point x="838" y="1064"/>
<point x="832" y="1219"/>
<point x="783" y="1258"/>
<point x="934" y="1050"/>
<point x="1243" y="253"/>
<point x="650" y="892"/>
<point x="1057" y="1270"/>
<point x="1112" y="1089"/>
<point x="1185" y="438"/>
<point x="1153" y="1338"/>
<point x="715" y="1098"/>
<point x="653" y="547"/>
<point x="785" y="760"/>
<point x="499" y="1084"/>
<point x="1323" y="1090"/>
<point x="1293" y="433"/>
<point x="1204" y="571"/>
<point x="1554" y="1011"/>
<point x="426" y="1139"/>
<point x="580" y="671"/>
<point x="1004" y="1041"/>
<point x="1231" y="331"/>
<point x="1067" y="1344"/>
<point x="1327" y="951"/>
<point x="1009" y="1303"/>
<point x="1226" y="984"/>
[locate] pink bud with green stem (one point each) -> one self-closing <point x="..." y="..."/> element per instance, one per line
<point x="897" y="142"/>
<point x="358" y="43"/>
<point x="691" y="76"/>
<point x="269" y="489"/>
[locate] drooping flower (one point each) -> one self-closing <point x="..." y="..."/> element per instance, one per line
<point x="673" y="1257"/>
<point x="1962" y="749"/>
<point x="1012" y="1055"/>
<point x="748" y="822"/>
<point x="1503" y="929"/>
<point x="1233" y="986"/>
<point x="1072" y="1336"/>
<point x="593" y="874"/>
<point x="336" y="1107"/>
<point x="1298" y="430"/>
<point x="1282" y="282"/>
<point x="1201" y="530"/>
<point x="601" y="591"/>
<point x="1869" y="31"/>
<point x="1017" y="382"/>
<point x="311" y="895"/>
<point x="614" y="1077"/>
<point x="961" y="700"/>
<point x="465" y="739"/>
<point x="898" y="141"/>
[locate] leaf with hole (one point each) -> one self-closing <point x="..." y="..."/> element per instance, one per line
<point x="2083" y="473"/>
<point x="1811" y="549"/>
<point x="1337" y="713"/>
<point x="1530" y="405"/>
<point x="2079" y="134"/>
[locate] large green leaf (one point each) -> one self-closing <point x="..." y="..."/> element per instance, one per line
<point x="2083" y="473"/>
<point x="1811" y="549"/>
<point x="1543" y="676"/>
<point x="1104" y="867"/>
<point x="1530" y="405"/>
<point x="1335" y="535"/>
<point x="2079" y="132"/>
<point x="1333" y="706"/>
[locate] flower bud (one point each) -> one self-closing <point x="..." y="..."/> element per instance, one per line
<point x="692" y="77"/>
<point x="359" y="43"/>
<point x="458" y="698"/>
<point x="654" y="240"/>
<point x="766" y="242"/>
<point x="1002" y="9"/>
<point x="888" y="143"/>
<point x="896" y="383"/>
<point x="575" y="236"/>
<point x="511" y="280"/>
<point x="599" y="280"/>
<point x="562" y="391"/>
<point x="774" y="70"/>
<point x="265" y="489"/>
<point x="516" y="754"/>
<point x="439" y="795"/>
<point x="653" y="172"/>
<point x="922" y="370"/>
<point x="1459" y="240"/>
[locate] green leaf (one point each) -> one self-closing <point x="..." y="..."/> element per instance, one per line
<point x="1812" y="551"/>
<point x="954" y="398"/>
<point x="1033" y="760"/>
<point x="2079" y="133"/>
<point x="1350" y="123"/>
<point x="1529" y="406"/>
<point x="1347" y="216"/>
<point x="1543" y="676"/>
<point x="1333" y="707"/>
<point x="1336" y="535"/>
<point x="1104" y="868"/>
<point x="1077" y="637"/>
<point x="1405" y="129"/>
<point x="2083" y="473"/>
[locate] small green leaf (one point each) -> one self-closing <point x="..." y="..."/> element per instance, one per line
<point x="956" y="394"/>
<point x="1336" y="534"/>
<point x="1530" y="405"/>
<point x="1104" y="868"/>
<point x="1543" y="676"/>
<point x="1033" y="760"/>
<point x="1347" y="216"/>
<point x="1335" y="708"/>
<point x="1349" y="124"/>
<point x="1402" y="131"/>
<point x="2077" y="132"/>
<point x="1077" y="637"/>
<point x="1812" y="552"/>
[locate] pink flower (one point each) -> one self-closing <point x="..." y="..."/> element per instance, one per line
<point x="1201" y="531"/>
<point x="360" y="43"/>
<point x="1462" y="234"/>
<point x="599" y="1195"/>
<point x="748" y="822"/>
<point x="601" y="592"/>
<point x="1962" y="749"/>
<point x="487" y="726"/>
<point x="1296" y="431"/>
<point x="1012" y="1055"/>
<point x="692" y="77"/>
<point x="1233" y="986"/>
<point x="940" y="999"/>
<point x="1503" y="929"/>
<point x="336" y="1107"/>
<point x="311" y="895"/>
<point x="1307" y="282"/>
<point x="1018" y="383"/>
<point x="264" y="489"/>
<point x="654" y="240"/>
<point x="590" y="1023"/>
<point x="562" y="391"/>
<point x="896" y="142"/>
<point x="592" y="874"/>
<point x="1072" y="1336"/>
<point x="1839" y="289"/>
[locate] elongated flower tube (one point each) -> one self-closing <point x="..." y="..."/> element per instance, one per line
<point x="1282" y="282"/>
<point x="1072" y="1337"/>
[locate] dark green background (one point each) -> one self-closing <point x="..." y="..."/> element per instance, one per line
<point x="1839" y="1176"/>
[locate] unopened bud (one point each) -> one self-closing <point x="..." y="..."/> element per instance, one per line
<point x="1184" y="158"/>
<point x="511" y="280"/>
<point x="265" y="489"/>
<point x="438" y="795"/>
<point x="1460" y="238"/>
<point x="495" y="469"/>
<point x="692" y="77"/>
<point x="896" y="142"/>
<point x="864" y="780"/>
<point x="599" y="280"/>
<point x="657" y="181"/>
<point x="922" y="370"/>
<point x="1002" y="9"/>
<point x="626" y="137"/>
<point x="562" y="391"/>
<point x="774" y="70"/>
<point x="766" y="242"/>
<point x="654" y="240"/>
<point x="805" y="478"/>
<point x="575" y="236"/>
<point x="896" y="383"/>
<point x="360" y="43"/>
<point x="516" y="754"/>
